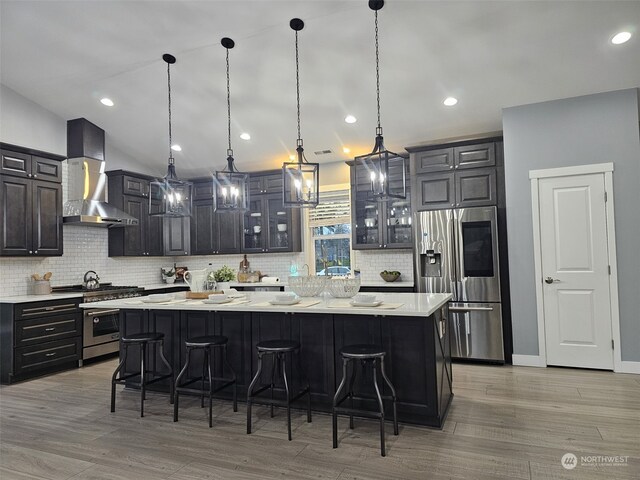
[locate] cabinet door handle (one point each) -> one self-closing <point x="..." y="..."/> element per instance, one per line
<point x="185" y="253"/>
<point x="30" y="252"/>
<point x="451" y="167"/>
<point x="36" y="251"/>
<point x="29" y="175"/>
<point x="50" y="329"/>
<point x="50" y="354"/>
<point x="385" y="246"/>
<point x="35" y="176"/>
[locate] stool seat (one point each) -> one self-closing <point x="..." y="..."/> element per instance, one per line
<point x="362" y="351"/>
<point x="278" y="346"/>
<point x="142" y="337"/>
<point x="206" y="341"/>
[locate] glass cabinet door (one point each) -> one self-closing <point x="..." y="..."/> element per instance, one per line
<point x="279" y="224"/>
<point x="397" y="221"/>
<point x="367" y="228"/>
<point x="254" y="226"/>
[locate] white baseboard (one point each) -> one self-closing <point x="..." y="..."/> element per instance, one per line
<point x="528" y="360"/>
<point x="629" y="367"/>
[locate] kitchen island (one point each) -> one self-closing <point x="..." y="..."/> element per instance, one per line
<point x="415" y="335"/>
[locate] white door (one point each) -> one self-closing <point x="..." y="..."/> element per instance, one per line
<point x="575" y="268"/>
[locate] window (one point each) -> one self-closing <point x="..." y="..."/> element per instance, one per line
<point x="330" y="234"/>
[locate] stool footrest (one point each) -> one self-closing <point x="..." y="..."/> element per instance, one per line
<point x="123" y="380"/>
<point x="182" y="388"/>
<point x="358" y="412"/>
<point x="295" y="397"/>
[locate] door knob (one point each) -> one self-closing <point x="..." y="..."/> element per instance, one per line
<point x="550" y="280"/>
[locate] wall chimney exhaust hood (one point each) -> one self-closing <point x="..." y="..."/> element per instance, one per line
<point x="86" y="203"/>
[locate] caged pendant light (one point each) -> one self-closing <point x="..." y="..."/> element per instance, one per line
<point x="301" y="179"/>
<point x="170" y="196"/>
<point x="385" y="169"/>
<point x="231" y="187"/>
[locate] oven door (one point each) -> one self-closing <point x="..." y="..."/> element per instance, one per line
<point x="101" y="326"/>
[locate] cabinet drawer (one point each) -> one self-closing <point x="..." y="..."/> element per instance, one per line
<point x="47" y="329"/>
<point x="474" y="156"/>
<point x="135" y="186"/>
<point x="46" y="169"/>
<point x="43" y="355"/>
<point x="433" y="160"/>
<point x="14" y="163"/>
<point x="25" y="311"/>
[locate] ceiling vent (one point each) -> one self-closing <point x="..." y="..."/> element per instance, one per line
<point x="323" y="152"/>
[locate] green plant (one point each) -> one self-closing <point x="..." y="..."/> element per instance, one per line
<point x="168" y="273"/>
<point x="224" y="274"/>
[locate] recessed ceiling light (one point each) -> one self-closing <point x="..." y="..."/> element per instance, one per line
<point x="107" y="101"/>
<point x="176" y="148"/>
<point x="621" y="37"/>
<point x="245" y="136"/>
<point x="346" y="150"/>
<point x="350" y="119"/>
<point x="450" y="101"/>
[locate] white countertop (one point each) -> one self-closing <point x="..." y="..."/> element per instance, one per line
<point x="413" y="305"/>
<point x="39" y="298"/>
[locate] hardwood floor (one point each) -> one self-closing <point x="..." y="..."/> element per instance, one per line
<point x="505" y="423"/>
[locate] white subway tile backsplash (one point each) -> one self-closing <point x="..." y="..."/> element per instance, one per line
<point x="372" y="262"/>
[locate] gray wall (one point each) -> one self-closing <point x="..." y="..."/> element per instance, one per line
<point x="592" y="129"/>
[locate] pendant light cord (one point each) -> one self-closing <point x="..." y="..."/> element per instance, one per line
<point x="298" y="85"/>
<point x="169" y="90"/>
<point x="228" y="101"/>
<point x="377" y="69"/>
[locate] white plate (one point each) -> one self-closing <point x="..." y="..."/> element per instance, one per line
<point x="236" y="295"/>
<point x="293" y="301"/>
<point x="217" y="302"/>
<point x="154" y="299"/>
<point x="361" y="304"/>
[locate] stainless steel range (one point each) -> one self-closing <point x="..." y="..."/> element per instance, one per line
<point x="101" y="330"/>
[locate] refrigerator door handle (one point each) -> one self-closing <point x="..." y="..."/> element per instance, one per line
<point x="471" y="309"/>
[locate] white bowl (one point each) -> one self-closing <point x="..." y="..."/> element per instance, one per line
<point x="369" y="222"/>
<point x="365" y="298"/>
<point x="308" y="285"/>
<point x="282" y="227"/>
<point x="343" y="287"/>
<point x="257" y="229"/>
<point x="285" y="297"/>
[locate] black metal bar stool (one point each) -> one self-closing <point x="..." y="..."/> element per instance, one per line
<point x="143" y="340"/>
<point x="207" y="343"/>
<point x="278" y="349"/>
<point x="367" y="354"/>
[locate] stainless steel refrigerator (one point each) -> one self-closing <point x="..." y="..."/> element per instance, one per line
<point x="457" y="252"/>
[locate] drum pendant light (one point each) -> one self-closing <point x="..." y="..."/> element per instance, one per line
<point x="301" y="179"/>
<point x="231" y="187"/>
<point x="385" y="169"/>
<point x="170" y="196"/>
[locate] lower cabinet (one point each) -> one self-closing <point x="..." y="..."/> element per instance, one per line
<point x="38" y="338"/>
<point x="418" y="354"/>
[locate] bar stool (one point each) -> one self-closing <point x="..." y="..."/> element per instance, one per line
<point x="207" y="344"/>
<point x="367" y="354"/>
<point x="143" y="340"/>
<point x="277" y="349"/>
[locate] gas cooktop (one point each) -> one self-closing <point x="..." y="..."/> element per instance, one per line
<point x="106" y="291"/>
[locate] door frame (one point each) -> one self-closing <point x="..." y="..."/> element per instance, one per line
<point x="607" y="170"/>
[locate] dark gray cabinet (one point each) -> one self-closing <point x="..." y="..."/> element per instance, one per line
<point x="376" y="225"/>
<point x="39" y="337"/>
<point x="461" y="175"/>
<point x="31" y="208"/>
<point x="211" y="232"/>
<point x="269" y="227"/>
<point x="153" y="236"/>
<point x="265" y="182"/>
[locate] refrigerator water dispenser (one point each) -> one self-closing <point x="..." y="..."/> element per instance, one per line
<point x="431" y="264"/>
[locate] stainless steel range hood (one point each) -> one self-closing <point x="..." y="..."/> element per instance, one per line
<point x="86" y="199"/>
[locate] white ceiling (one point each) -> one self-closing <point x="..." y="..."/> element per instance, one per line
<point x="490" y="55"/>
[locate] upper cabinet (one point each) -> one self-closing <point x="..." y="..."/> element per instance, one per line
<point x="462" y="174"/>
<point x="377" y="225"/>
<point x="153" y="236"/>
<point x="267" y="226"/>
<point x="31" y="209"/>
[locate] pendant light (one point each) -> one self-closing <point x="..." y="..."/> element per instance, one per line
<point x="231" y="187"/>
<point x="170" y="196"/>
<point x="385" y="169"/>
<point x="301" y="179"/>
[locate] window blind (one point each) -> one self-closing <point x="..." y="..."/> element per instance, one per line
<point x="334" y="208"/>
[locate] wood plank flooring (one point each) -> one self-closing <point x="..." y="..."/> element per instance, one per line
<point x="505" y="423"/>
